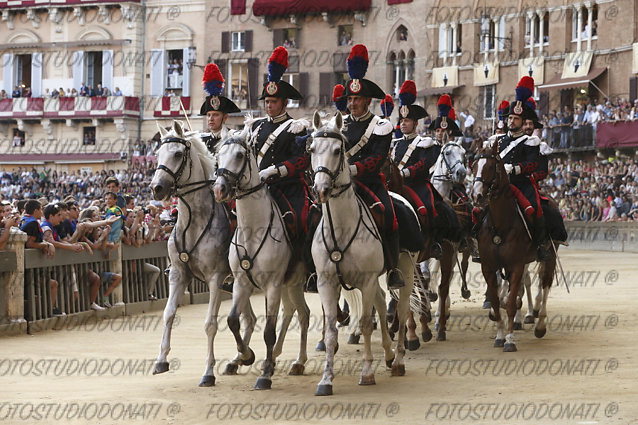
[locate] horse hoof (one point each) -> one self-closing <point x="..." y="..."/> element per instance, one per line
<point x="529" y="320"/>
<point x="536" y="314"/>
<point x="487" y="305"/>
<point x="388" y="363"/>
<point x="433" y="296"/>
<point x="499" y="343"/>
<point x="510" y="347"/>
<point x="492" y="317"/>
<point x="207" y="381"/>
<point x="323" y="390"/>
<point x="296" y="369"/>
<point x="426" y="335"/>
<point x="160" y="367"/>
<point x="440" y="336"/>
<point x="353" y="339"/>
<point x="518" y="326"/>
<point x="367" y="380"/>
<point x="231" y="369"/>
<point x="263" y="384"/>
<point x="250" y="359"/>
<point x="466" y="294"/>
<point x="398" y="370"/>
<point x="539" y="333"/>
<point x="413" y="345"/>
<point x="321" y="346"/>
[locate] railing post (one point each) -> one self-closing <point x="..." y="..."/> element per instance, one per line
<point x="115" y="266"/>
<point x="12" y="285"/>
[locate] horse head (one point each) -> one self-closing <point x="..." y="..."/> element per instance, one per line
<point x="237" y="167"/>
<point x="490" y="176"/>
<point x="326" y="147"/>
<point x="173" y="158"/>
<point x="453" y="155"/>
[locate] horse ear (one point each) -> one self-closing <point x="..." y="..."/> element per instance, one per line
<point x="178" y="128"/>
<point x="162" y="130"/>
<point x="316" y="120"/>
<point x="339" y="120"/>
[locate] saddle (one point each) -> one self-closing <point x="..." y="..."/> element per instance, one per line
<point x="374" y="204"/>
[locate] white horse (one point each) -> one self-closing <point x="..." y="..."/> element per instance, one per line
<point x="260" y="255"/>
<point x="347" y="253"/>
<point x="198" y="245"/>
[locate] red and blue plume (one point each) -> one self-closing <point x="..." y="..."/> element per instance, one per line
<point x="444" y="105"/>
<point x="451" y="115"/>
<point x="502" y="109"/>
<point x="531" y="103"/>
<point x="277" y="64"/>
<point x="387" y="105"/>
<point x="524" y="88"/>
<point x="212" y="80"/>
<point x="357" y="62"/>
<point x="407" y="93"/>
<point x="339" y="101"/>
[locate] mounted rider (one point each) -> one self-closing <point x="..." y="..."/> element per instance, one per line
<point x="368" y="142"/>
<point x="520" y="154"/>
<point x="414" y="155"/>
<point x="281" y="158"/>
<point x="215" y="107"/>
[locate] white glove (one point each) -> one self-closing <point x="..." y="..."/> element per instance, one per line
<point x="508" y="168"/>
<point x="353" y="170"/>
<point x="405" y="173"/>
<point x="267" y="173"/>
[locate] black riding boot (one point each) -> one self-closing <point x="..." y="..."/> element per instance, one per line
<point x="394" y="277"/>
<point x="314" y="216"/>
<point x="474" y="252"/>
<point x="435" y="234"/>
<point x="540" y="239"/>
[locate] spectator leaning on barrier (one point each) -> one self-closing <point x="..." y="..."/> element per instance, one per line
<point x="116" y="227"/>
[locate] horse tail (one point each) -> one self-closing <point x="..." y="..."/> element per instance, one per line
<point x="354" y="300"/>
<point x="418" y="298"/>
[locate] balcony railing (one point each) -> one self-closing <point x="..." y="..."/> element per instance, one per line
<point x="169" y="106"/>
<point x="70" y="107"/>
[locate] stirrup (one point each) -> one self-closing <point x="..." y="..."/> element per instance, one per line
<point x="227" y="284"/>
<point x="311" y="284"/>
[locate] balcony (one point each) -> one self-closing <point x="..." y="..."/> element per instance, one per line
<point x="169" y="106"/>
<point x="70" y="107"/>
<point x="17" y="4"/>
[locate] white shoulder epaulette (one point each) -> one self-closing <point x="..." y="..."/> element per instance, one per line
<point x="383" y="128"/>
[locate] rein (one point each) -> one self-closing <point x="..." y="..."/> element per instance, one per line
<point x="449" y="168"/>
<point x="234" y="178"/>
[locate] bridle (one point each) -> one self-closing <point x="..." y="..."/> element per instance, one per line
<point x="235" y="178"/>
<point x="492" y="187"/>
<point x="333" y="175"/>
<point x="449" y="168"/>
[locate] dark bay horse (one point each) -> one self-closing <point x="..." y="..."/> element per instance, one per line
<point x="504" y="243"/>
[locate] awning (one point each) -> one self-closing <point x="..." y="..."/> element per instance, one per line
<point x="558" y="83"/>
<point x="437" y="91"/>
<point x="291" y="7"/>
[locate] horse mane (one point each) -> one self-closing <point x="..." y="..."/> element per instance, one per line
<point x="208" y="161"/>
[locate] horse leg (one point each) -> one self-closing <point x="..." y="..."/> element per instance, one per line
<point x="288" y="313"/>
<point x="546" y="274"/>
<point x="273" y="299"/>
<point x="386" y="342"/>
<point x="177" y="278"/>
<point x="210" y="326"/>
<point x="515" y="276"/>
<point x="329" y="294"/>
<point x="321" y="345"/>
<point x="538" y="298"/>
<point x="518" y="322"/>
<point x="398" y="366"/>
<point x="391" y="311"/>
<point x="241" y="302"/>
<point x="368" y="294"/>
<point x="527" y="281"/>
<point x="465" y="260"/>
<point x="493" y="296"/>
<point x="303" y="313"/>
<point x="446" y="269"/>
<point x="412" y="341"/>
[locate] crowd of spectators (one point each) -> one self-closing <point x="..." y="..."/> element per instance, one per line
<point x="84" y="90"/>
<point x="603" y="190"/>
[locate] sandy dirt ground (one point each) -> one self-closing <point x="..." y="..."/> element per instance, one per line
<point x="584" y="371"/>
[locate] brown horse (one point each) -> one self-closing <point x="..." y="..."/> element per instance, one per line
<point x="504" y="243"/>
<point x="447" y="260"/>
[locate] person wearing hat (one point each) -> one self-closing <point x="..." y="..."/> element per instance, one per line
<point x="521" y="154"/>
<point x="338" y="100"/>
<point x="368" y="143"/>
<point x="414" y="156"/>
<point x="215" y="107"/>
<point x="501" y="114"/>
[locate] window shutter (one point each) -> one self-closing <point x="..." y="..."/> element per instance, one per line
<point x="303" y="89"/>
<point x="325" y="88"/>
<point x="633" y="82"/>
<point x="441" y="40"/>
<point x="186" y="84"/>
<point x="7" y="73"/>
<point x="293" y="64"/>
<point x="543" y="103"/>
<point x="78" y="69"/>
<point x="501" y="33"/>
<point x="225" y="42"/>
<point x="277" y="37"/>
<point x="158" y="70"/>
<point x="248" y="40"/>
<point x="36" y="74"/>
<point x="107" y="69"/>
<point x="253" y="83"/>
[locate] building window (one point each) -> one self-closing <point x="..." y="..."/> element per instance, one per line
<point x="237" y="42"/>
<point x="23" y="71"/>
<point x="290" y="38"/>
<point x="487" y="97"/>
<point x="93" y="69"/>
<point x="583" y="29"/>
<point x="345" y="35"/>
<point x="238" y="87"/>
<point x="450" y="40"/>
<point x="88" y="136"/>
<point x="293" y="80"/>
<point x="174" y="69"/>
<point x="495" y="31"/>
<point x="18" y="138"/>
<point x="402" y="33"/>
<point x="535" y="24"/>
